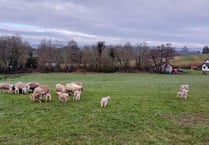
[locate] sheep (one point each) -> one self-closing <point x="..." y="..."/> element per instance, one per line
<point x="63" y="96"/>
<point x="26" y="89"/>
<point x="45" y="89"/>
<point x="20" y="86"/>
<point x="104" y="101"/>
<point x="11" y="89"/>
<point x="37" y="94"/>
<point x="77" y="95"/>
<point x="17" y="91"/>
<point x="60" y="88"/>
<point x="5" y="86"/>
<point x="182" y="94"/>
<point x="184" y="87"/>
<point x="72" y="87"/>
<point x="183" y="91"/>
<point x="48" y="97"/>
<point x="33" y="85"/>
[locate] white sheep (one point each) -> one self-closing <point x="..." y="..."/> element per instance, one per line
<point x="48" y="97"/>
<point x="183" y="91"/>
<point x="5" y="86"/>
<point x="184" y="87"/>
<point x="77" y="95"/>
<point x="104" y="101"/>
<point x="72" y="87"/>
<point x="60" y="88"/>
<point x="26" y="89"/>
<point x="17" y="91"/>
<point x="63" y="96"/>
<point x="37" y="94"/>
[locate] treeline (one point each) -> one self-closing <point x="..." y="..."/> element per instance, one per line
<point x="56" y="56"/>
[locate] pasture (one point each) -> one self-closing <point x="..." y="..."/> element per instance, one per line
<point x="143" y="110"/>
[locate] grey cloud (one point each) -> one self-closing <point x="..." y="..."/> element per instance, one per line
<point x="176" y="21"/>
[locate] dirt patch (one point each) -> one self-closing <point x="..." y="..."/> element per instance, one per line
<point x="187" y="120"/>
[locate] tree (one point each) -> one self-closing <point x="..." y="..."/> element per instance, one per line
<point x="161" y="54"/>
<point x="100" y="47"/>
<point x="205" y="50"/>
<point x="72" y="55"/>
<point x="140" y="54"/>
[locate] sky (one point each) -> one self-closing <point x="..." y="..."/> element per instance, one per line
<point x="179" y="22"/>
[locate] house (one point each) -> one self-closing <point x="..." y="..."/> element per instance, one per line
<point x="205" y="66"/>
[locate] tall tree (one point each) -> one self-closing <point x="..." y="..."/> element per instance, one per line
<point x="100" y="47"/>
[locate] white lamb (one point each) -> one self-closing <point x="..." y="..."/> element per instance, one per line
<point x="77" y="95"/>
<point x="63" y="96"/>
<point x="104" y="101"/>
<point x="183" y="91"/>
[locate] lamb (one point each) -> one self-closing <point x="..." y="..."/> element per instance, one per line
<point x="104" y="101"/>
<point x="46" y="92"/>
<point x="60" y="88"/>
<point x="77" y="95"/>
<point x="183" y="91"/>
<point x="48" y="97"/>
<point x="184" y="87"/>
<point x="72" y="87"/>
<point x="17" y="91"/>
<point x="37" y="94"/>
<point x="63" y="96"/>
<point x="182" y="94"/>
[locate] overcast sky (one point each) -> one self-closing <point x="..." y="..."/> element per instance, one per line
<point x="180" y="22"/>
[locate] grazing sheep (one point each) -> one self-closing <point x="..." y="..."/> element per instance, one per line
<point x="33" y="85"/>
<point x="60" y="88"/>
<point x="26" y="89"/>
<point x="104" y="101"/>
<point x="37" y="94"/>
<point x="63" y="96"/>
<point x="45" y="89"/>
<point x="20" y="86"/>
<point x="72" y="87"/>
<point x="11" y="89"/>
<point x="77" y="95"/>
<point x="5" y="86"/>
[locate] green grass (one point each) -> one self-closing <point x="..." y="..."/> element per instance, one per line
<point x="143" y="110"/>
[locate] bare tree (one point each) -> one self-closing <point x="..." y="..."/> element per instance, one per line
<point x="161" y="54"/>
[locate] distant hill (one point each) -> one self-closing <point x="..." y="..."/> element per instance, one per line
<point x="189" y="60"/>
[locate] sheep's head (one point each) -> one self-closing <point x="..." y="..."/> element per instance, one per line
<point x="108" y="97"/>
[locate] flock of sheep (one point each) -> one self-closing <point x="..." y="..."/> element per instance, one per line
<point x="41" y="92"/>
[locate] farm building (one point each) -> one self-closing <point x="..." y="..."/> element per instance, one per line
<point x="205" y="66"/>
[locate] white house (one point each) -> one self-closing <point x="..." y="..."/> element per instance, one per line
<point x="205" y="66"/>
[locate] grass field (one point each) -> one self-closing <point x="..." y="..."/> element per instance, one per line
<point x="143" y="110"/>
